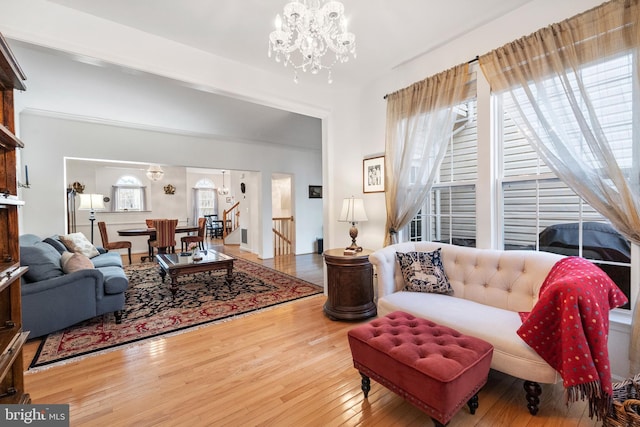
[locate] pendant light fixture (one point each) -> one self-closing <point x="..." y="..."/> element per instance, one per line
<point x="223" y="191"/>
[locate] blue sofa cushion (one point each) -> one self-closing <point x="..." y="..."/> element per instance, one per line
<point x="57" y="244"/>
<point x="43" y="262"/>
<point x="107" y="259"/>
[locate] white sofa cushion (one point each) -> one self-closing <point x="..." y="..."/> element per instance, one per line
<point x="511" y="354"/>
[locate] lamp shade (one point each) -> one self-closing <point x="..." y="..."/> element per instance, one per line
<point x="352" y="210"/>
<point x="91" y="202"/>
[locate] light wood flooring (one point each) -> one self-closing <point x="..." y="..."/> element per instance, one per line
<point x="285" y="366"/>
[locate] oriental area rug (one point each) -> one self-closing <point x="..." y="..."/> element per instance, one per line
<point x="151" y="311"/>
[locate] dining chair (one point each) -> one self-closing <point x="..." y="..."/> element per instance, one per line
<point x="107" y="245"/>
<point x="218" y="231"/>
<point x="209" y="221"/>
<point x="165" y="235"/>
<point x="152" y="237"/>
<point x="197" y="238"/>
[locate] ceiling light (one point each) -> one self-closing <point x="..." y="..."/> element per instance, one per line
<point x="155" y="173"/>
<point x="223" y="191"/>
<point x="307" y="31"/>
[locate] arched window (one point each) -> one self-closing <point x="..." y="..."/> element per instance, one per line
<point x="129" y="194"/>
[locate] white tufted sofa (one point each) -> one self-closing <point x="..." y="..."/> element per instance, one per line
<point x="490" y="288"/>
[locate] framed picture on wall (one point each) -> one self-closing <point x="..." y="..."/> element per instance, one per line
<point x="373" y="175"/>
<point x="315" y="191"/>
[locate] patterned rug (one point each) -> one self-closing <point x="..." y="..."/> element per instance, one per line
<point x="150" y="310"/>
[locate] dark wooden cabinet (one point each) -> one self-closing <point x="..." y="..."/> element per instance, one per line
<point x="349" y="285"/>
<point x="12" y="337"/>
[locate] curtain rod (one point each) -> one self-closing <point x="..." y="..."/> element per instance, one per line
<point x="471" y="61"/>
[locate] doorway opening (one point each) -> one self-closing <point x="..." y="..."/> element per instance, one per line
<point x="282" y="218"/>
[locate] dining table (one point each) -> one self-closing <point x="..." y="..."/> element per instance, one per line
<point x="144" y="231"/>
<point x="151" y="232"/>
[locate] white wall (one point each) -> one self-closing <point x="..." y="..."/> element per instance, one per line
<point x="98" y="177"/>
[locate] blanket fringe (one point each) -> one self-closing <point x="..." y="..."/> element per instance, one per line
<point x="599" y="401"/>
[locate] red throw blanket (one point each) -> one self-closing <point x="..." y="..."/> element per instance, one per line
<point x="569" y="328"/>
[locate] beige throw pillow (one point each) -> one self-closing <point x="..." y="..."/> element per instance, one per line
<point x="71" y="262"/>
<point x="76" y="242"/>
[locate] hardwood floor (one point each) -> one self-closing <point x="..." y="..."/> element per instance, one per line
<point x="285" y="366"/>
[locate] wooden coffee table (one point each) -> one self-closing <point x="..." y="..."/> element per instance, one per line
<point x="177" y="265"/>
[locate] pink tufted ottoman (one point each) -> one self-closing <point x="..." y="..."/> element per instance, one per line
<point x="434" y="367"/>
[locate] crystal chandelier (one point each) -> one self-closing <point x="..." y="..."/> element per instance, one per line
<point x="312" y="28"/>
<point x="223" y="191"/>
<point x="155" y="173"/>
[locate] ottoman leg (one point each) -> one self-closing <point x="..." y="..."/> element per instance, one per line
<point x="366" y="384"/>
<point x="473" y="404"/>
<point x="437" y="423"/>
<point x="533" y="390"/>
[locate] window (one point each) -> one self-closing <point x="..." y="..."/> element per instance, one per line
<point x="129" y="194"/>
<point x="449" y="213"/>
<point x="205" y="200"/>
<point x="540" y="212"/>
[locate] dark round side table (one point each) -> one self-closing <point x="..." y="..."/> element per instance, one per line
<point x="349" y="285"/>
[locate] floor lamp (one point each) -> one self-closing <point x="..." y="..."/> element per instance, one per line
<point x="91" y="203"/>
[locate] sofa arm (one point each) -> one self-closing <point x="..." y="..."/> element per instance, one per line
<point x="89" y="275"/>
<point x="54" y="304"/>
<point x="384" y="261"/>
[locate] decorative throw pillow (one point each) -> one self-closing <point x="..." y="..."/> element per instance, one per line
<point x="71" y="262"/>
<point x="76" y="242"/>
<point x="424" y="272"/>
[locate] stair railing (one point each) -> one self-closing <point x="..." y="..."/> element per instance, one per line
<point x="283" y="235"/>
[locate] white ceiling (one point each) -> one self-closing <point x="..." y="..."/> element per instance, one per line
<point x="388" y="32"/>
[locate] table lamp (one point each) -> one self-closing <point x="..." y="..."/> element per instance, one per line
<point x="353" y="212"/>
<point x="91" y="203"/>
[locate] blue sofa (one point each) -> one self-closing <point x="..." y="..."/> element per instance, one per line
<point x="53" y="300"/>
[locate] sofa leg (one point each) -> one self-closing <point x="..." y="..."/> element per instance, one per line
<point x="533" y="391"/>
<point x="473" y="404"/>
<point x="118" y="315"/>
<point x="366" y="385"/>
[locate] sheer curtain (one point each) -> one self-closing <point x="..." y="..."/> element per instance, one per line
<point x="195" y="207"/>
<point x="420" y="121"/>
<point x="573" y="90"/>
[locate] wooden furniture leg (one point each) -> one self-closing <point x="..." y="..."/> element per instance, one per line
<point x="473" y="404"/>
<point x="533" y="391"/>
<point x="366" y="384"/>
